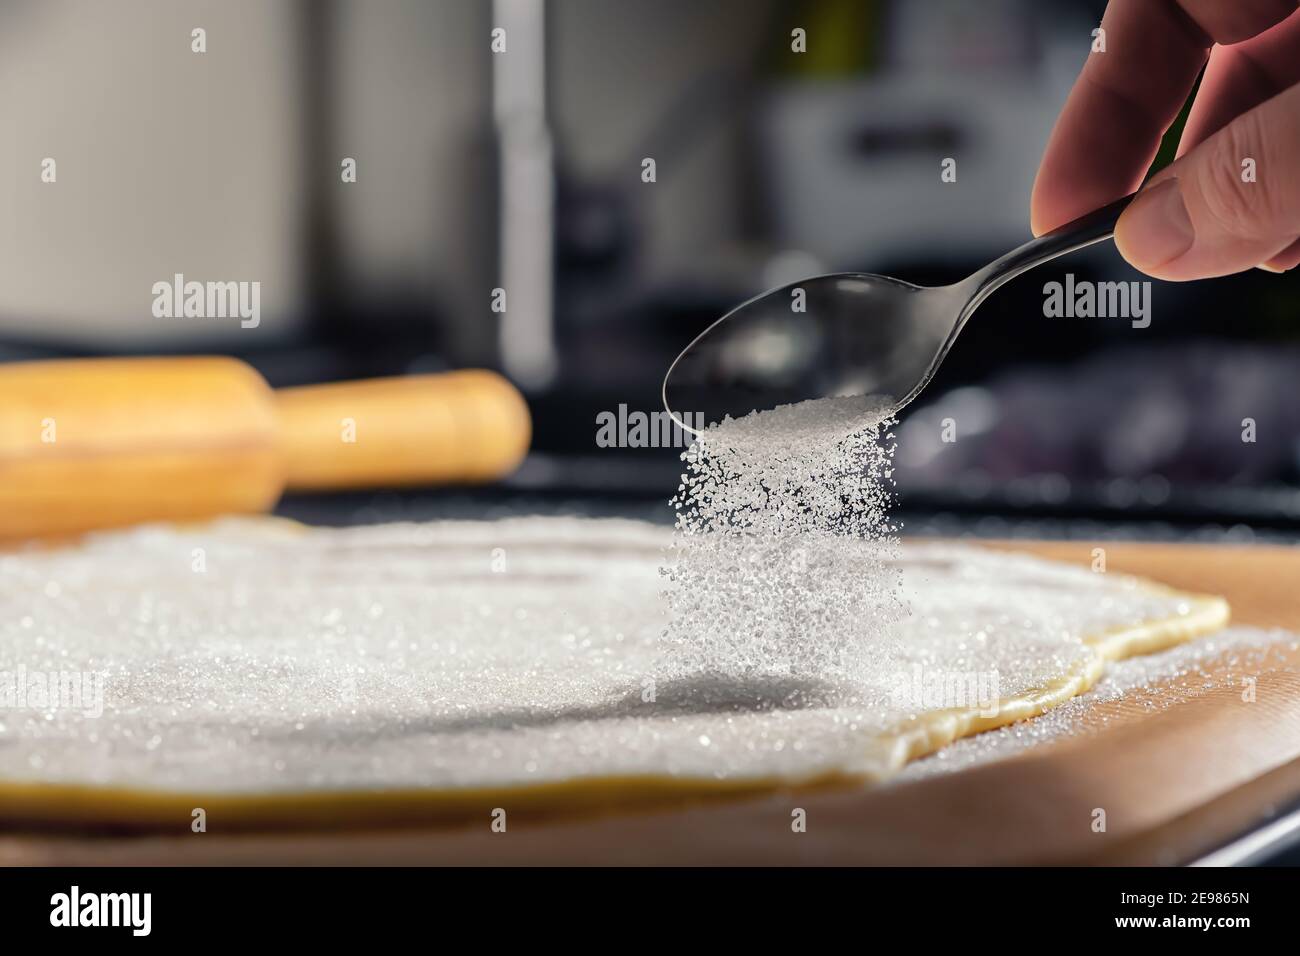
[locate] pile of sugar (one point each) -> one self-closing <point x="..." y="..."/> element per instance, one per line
<point x="244" y="657"/>
<point x="781" y="562"/>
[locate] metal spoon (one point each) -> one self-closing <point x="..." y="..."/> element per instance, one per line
<point x="846" y="334"/>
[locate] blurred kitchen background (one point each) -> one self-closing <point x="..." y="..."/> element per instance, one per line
<point x="524" y="171"/>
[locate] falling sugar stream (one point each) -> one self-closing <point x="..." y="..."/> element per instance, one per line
<point x="783" y="563"/>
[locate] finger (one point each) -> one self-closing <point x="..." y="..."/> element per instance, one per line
<point x="1108" y="132"/>
<point x="1235" y="20"/>
<point x="1240" y="77"/>
<point x="1285" y="260"/>
<point x="1126" y="97"/>
<point x="1237" y="79"/>
<point x="1211" y="213"/>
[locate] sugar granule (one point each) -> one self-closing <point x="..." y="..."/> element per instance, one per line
<point x="781" y="562"/>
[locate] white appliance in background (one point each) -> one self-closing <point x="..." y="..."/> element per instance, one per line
<point x="854" y="167"/>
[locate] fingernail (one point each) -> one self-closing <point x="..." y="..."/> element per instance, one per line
<point x="1268" y="268"/>
<point x="1155" y="229"/>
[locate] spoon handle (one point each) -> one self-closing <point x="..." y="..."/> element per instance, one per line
<point x="1087" y="229"/>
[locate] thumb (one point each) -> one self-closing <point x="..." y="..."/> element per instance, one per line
<point x="1229" y="204"/>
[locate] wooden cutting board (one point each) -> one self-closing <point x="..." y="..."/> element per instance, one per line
<point x="1175" y="783"/>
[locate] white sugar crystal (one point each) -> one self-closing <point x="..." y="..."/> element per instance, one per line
<point x="781" y="561"/>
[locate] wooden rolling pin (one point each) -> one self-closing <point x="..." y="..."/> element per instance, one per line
<point x="95" y="443"/>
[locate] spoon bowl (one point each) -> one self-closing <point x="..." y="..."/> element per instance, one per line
<point x="846" y="334"/>
<point x="832" y="335"/>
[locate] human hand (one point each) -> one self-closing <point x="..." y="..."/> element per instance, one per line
<point x="1198" y="217"/>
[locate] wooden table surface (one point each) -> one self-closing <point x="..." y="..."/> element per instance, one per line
<point x="1175" y="783"/>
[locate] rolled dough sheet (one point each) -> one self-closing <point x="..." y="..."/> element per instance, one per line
<point x="278" y="677"/>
